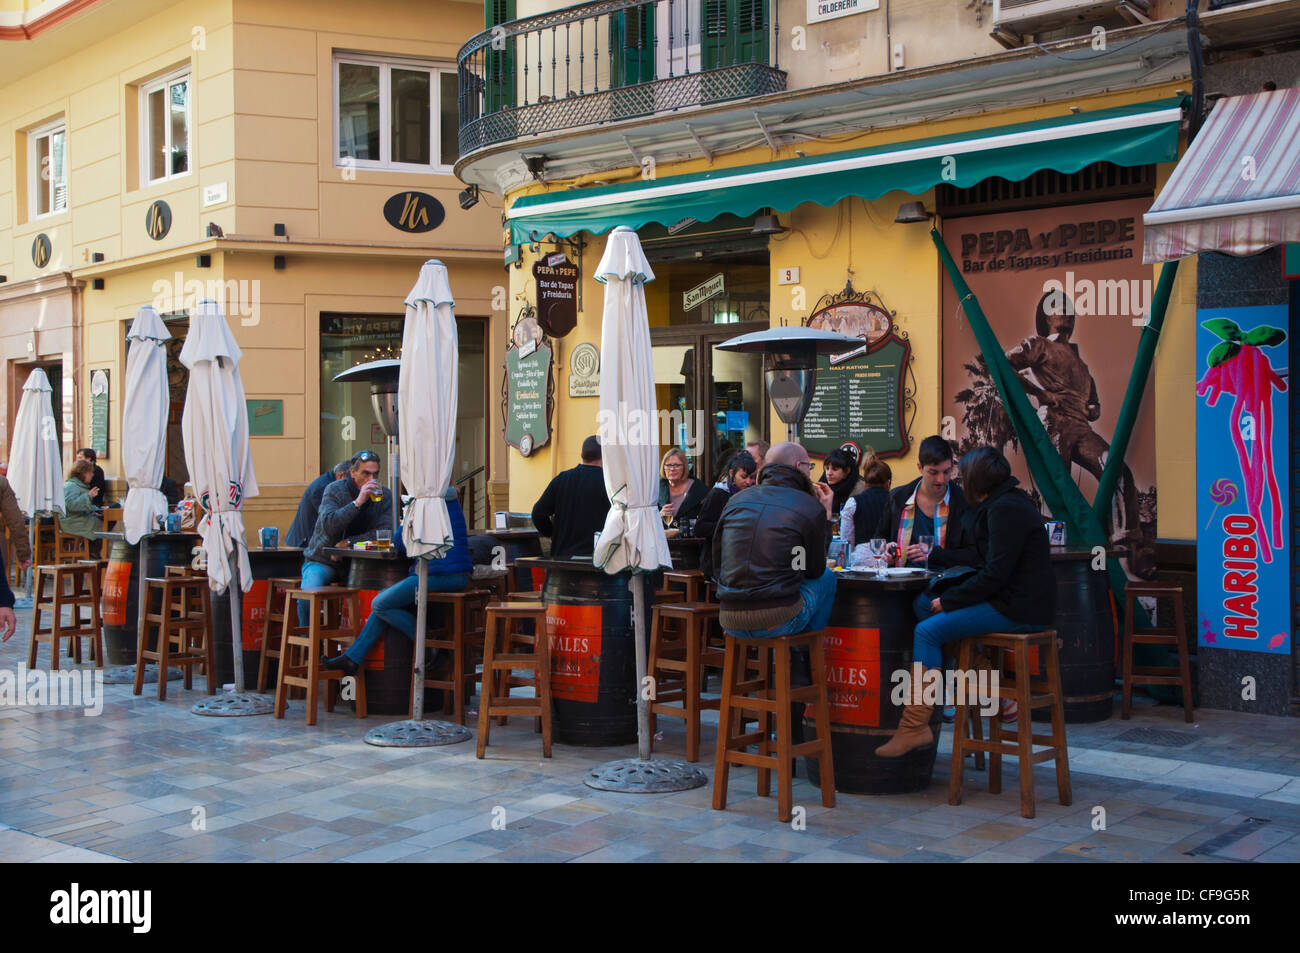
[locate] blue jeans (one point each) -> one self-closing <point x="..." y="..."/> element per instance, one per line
<point x="314" y="575"/>
<point x="943" y="627"/>
<point x="395" y="607"/>
<point x="818" y="598"/>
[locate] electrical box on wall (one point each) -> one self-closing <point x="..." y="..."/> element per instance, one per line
<point x="898" y="56"/>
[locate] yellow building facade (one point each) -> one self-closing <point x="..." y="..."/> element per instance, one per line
<point x="284" y="158"/>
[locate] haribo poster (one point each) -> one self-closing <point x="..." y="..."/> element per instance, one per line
<point x="1242" y="547"/>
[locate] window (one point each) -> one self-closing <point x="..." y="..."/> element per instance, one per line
<point x="395" y="115"/>
<point x="165" y="127"/>
<point x="47" y="165"/>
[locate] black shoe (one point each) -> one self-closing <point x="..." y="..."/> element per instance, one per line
<point x="340" y="662"/>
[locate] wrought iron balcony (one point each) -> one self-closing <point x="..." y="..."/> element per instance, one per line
<point x="612" y="60"/>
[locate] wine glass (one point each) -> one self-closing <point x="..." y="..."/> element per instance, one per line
<point x="877" y="549"/>
<point x="926" y="543"/>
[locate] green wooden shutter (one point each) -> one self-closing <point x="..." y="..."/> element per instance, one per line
<point x="733" y="31"/>
<point x="499" y="65"/>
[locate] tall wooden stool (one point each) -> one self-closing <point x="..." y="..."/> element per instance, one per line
<point x="277" y="597"/>
<point x="44" y="547"/>
<point x="678" y="653"/>
<point x="516" y="594"/>
<point x="1158" y="635"/>
<point x="1030" y="691"/>
<point x="302" y="647"/>
<point x="461" y="635"/>
<point x="68" y="547"/>
<point x="770" y="699"/>
<point x="691" y="581"/>
<point x="500" y="657"/>
<point x="184" y="631"/>
<point x="73" y="586"/>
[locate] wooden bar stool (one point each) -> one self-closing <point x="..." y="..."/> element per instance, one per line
<point x="184" y="632"/>
<point x="277" y="597"/>
<point x="1030" y="691"/>
<point x="334" y="622"/>
<point x="691" y="581"/>
<point x="461" y="634"/>
<point x="68" y="547"/>
<point x="501" y="659"/>
<point x="73" y="586"/>
<point x="679" y="651"/>
<point x="44" y="548"/>
<point x="770" y="699"/>
<point x="1157" y="635"/>
<point x="516" y="594"/>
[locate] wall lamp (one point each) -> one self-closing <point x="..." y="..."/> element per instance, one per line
<point x="469" y="198"/>
<point x="912" y="212"/>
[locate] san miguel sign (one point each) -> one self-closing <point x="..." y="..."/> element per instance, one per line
<point x="414" y="212"/>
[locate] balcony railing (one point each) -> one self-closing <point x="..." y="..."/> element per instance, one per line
<point x="612" y="60"/>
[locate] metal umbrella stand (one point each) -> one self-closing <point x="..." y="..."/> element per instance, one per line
<point x="239" y="702"/>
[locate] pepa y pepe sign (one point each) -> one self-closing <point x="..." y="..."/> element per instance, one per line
<point x="557" y="294"/>
<point x="528" y="399"/>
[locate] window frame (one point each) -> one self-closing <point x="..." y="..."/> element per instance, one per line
<point x="165" y="82"/>
<point x="386" y="65"/>
<point x="34" y="181"/>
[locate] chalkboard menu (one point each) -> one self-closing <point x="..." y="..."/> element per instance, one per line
<point x="527" y="403"/>
<point x="99" y="411"/>
<point x="859" y="400"/>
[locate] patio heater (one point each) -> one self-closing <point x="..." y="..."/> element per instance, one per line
<point x="382" y="377"/>
<point x="790" y="366"/>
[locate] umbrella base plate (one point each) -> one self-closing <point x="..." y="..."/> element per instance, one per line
<point x="125" y="675"/>
<point x="417" y="734"/>
<point x="634" y="776"/>
<point x="234" y="705"/>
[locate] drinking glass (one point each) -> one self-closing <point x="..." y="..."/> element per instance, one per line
<point x="384" y="538"/>
<point x="877" y="549"/>
<point x="926" y="543"/>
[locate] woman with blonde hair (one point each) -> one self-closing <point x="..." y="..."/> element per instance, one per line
<point x="680" y="495"/>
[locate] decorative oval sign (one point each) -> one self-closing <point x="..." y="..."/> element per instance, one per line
<point x="41" y="250"/>
<point x="158" y="220"/>
<point x="414" y="212"/>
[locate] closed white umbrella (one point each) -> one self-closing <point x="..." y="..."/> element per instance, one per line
<point x="633" y="537"/>
<point x="144" y="424"/>
<point x="35" y="466"/>
<point x="426" y="428"/>
<point x="214" y="428"/>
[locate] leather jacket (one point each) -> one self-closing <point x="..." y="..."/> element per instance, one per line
<point x="769" y="540"/>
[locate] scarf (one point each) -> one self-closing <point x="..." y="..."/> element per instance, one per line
<point x="909" y="515"/>
<point x="841" y="492"/>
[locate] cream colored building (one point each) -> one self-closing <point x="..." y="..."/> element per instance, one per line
<point x="243" y="150"/>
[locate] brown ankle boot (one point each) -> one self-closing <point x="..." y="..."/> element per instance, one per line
<point x="913" y="732"/>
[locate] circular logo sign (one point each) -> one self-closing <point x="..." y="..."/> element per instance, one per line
<point x="414" y="212"/>
<point x="526" y="444"/>
<point x="158" y="220"/>
<point x="584" y="371"/>
<point x="41" y="250"/>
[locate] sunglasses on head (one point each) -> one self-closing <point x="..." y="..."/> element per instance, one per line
<point x="365" y="456"/>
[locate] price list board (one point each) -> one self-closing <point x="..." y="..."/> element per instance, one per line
<point x="859" y="400"/>
<point x="527" y="407"/>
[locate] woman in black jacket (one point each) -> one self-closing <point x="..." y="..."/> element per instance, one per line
<point x="740" y="475"/>
<point x="1013" y="588"/>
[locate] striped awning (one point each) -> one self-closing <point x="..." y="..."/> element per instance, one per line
<point x="1237" y="189"/>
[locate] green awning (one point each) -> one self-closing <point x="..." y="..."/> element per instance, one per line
<point x="1134" y="135"/>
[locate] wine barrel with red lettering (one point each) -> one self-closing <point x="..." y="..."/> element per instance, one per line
<point x="388" y="664"/>
<point x="119" y="604"/>
<point x="593" y="660"/>
<point x="1085" y="634"/>
<point x="266" y="564"/>
<point x="868" y="643"/>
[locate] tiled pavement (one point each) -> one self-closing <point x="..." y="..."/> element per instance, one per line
<point x="148" y="781"/>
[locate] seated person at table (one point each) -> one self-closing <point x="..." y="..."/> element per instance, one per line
<point x="929" y="506"/>
<point x="739" y="476"/>
<point x="840" y="473"/>
<point x="97" y="481"/>
<point x="395" y="606"/>
<point x="304" y="521"/>
<point x="1012" y="590"/>
<point x="346" y="512"/>
<point x="680" y="494"/>
<point x="81" y="517"/>
<point x="861" y="514"/>
<point x="572" y="509"/>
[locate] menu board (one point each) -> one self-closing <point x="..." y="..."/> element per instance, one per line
<point x="859" y="400"/>
<point x="527" y="404"/>
<point x="99" y="411"/>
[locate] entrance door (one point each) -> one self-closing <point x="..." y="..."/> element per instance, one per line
<point x="735" y="31"/>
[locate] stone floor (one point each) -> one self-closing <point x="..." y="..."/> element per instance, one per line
<point x="149" y="781"/>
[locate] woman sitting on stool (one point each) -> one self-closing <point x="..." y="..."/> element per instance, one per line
<point x="395" y="606"/>
<point x="1013" y="588"/>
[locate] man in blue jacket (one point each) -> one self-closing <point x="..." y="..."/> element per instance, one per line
<point x="304" y="521"/>
<point x="395" y="606"/>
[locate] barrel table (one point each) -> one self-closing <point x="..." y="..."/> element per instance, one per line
<point x="868" y="646"/>
<point x="593" y="652"/>
<point x="266" y="564"/>
<point x="119" y="603"/>
<point x="685" y="552"/>
<point x="518" y="543"/>
<point x="1086" y="636"/>
<point x="388" y="664"/>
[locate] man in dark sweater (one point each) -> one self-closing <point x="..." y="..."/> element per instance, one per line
<point x="304" y="521"/>
<point x="573" y="508"/>
<point x="350" y="509"/>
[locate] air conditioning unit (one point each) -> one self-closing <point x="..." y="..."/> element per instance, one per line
<point x="1038" y="16"/>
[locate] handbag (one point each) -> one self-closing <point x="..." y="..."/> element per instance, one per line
<point x="947" y="579"/>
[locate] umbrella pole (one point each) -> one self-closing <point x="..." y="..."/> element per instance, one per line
<point x="31" y="570"/>
<point x="236" y="623"/>
<point x="638" y="629"/>
<point x="421" y="619"/>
